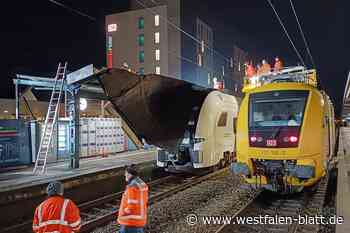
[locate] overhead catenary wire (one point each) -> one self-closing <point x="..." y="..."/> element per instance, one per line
<point x="302" y="34"/>
<point x="287" y="34"/>
<point x="180" y="29"/>
<point x="73" y="10"/>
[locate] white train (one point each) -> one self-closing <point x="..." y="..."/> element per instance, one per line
<point x="209" y="138"/>
<point x="193" y="125"/>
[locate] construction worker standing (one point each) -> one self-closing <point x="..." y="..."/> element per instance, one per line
<point x="250" y="71"/>
<point x="132" y="215"/>
<point x="56" y="214"/>
<point x="265" y="68"/>
<point x="278" y="65"/>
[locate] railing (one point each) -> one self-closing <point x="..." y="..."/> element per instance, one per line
<point x="297" y="74"/>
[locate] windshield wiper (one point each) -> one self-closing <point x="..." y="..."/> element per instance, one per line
<point x="276" y="132"/>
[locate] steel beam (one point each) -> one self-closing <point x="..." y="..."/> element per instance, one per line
<point x="17" y="101"/>
<point x="21" y="80"/>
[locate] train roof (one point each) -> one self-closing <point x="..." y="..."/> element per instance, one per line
<point x="282" y="86"/>
<point x="290" y="75"/>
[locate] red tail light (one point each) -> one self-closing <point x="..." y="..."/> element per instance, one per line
<point x="285" y="138"/>
<point x="293" y="139"/>
<point x="253" y="139"/>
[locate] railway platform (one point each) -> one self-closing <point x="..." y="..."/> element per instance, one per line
<point x="343" y="183"/>
<point x="96" y="177"/>
<point x="60" y="171"/>
<point x="23" y="184"/>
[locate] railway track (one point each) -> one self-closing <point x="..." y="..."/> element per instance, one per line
<point x="97" y="213"/>
<point x="308" y="203"/>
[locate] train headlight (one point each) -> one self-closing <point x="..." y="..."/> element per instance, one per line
<point x="293" y="139"/>
<point x="198" y="140"/>
<point x="253" y="139"/>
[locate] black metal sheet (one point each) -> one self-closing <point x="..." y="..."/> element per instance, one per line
<point x="156" y="107"/>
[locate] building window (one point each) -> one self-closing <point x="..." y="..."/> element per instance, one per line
<point x="141" y="40"/>
<point x="157" y="54"/>
<point x="157" y="70"/>
<point x="199" y="60"/>
<point x="202" y="46"/>
<point x="157" y="37"/>
<point x="142" y="71"/>
<point x="141" y="23"/>
<point x="156" y="20"/>
<point x="112" y="27"/>
<point x="141" y="56"/>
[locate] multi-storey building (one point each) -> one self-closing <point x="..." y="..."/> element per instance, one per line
<point x="163" y="37"/>
<point x="240" y="57"/>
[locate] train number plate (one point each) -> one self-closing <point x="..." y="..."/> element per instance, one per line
<point x="271" y="142"/>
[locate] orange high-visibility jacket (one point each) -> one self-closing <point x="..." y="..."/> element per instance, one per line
<point x="278" y="65"/>
<point x="250" y="72"/>
<point x="57" y="215"/>
<point x="264" y="69"/>
<point x="133" y="207"/>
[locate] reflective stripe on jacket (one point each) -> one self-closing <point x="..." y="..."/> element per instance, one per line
<point x="133" y="207"/>
<point x="57" y="215"/>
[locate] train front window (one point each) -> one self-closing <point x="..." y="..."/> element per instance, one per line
<point x="277" y="109"/>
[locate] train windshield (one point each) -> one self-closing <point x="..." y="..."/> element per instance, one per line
<point x="277" y="109"/>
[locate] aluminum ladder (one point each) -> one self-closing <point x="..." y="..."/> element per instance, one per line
<point x="51" y="120"/>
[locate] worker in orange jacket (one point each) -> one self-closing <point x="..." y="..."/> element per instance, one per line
<point x="265" y="68"/>
<point x="56" y="214"/>
<point x="278" y="65"/>
<point x="250" y="70"/>
<point x="132" y="215"/>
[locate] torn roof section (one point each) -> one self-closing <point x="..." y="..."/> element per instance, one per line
<point x="157" y="107"/>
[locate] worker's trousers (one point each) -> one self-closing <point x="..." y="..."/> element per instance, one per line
<point x="127" y="229"/>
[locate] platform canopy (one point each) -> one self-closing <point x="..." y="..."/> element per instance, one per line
<point x="157" y="107"/>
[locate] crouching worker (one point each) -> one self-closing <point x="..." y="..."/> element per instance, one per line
<point x="132" y="215"/>
<point x="56" y="213"/>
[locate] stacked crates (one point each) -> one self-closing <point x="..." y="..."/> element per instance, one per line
<point x="98" y="136"/>
<point x="92" y="136"/>
<point x="84" y="137"/>
<point x="101" y="136"/>
<point x="119" y="137"/>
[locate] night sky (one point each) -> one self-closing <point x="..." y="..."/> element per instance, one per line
<point x="38" y="34"/>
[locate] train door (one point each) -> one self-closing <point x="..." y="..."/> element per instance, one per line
<point x="223" y="135"/>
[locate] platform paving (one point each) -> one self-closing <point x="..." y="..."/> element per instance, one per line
<point x="343" y="185"/>
<point x="60" y="171"/>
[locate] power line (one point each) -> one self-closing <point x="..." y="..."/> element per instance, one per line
<point x="73" y="10"/>
<point x="286" y="32"/>
<point x="180" y="29"/>
<point x="302" y="34"/>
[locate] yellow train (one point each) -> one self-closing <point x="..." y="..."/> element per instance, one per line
<point x="285" y="133"/>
